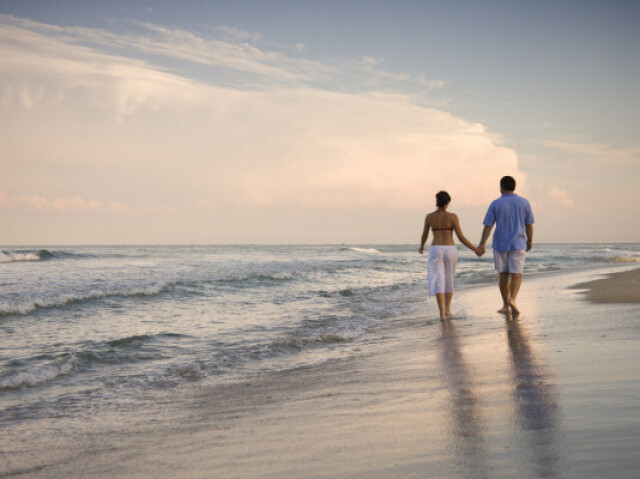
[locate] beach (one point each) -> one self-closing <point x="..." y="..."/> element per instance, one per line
<point x="552" y="393"/>
<point x="622" y="287"/>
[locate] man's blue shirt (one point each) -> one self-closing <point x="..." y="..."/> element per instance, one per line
<point x="510" y="213"/>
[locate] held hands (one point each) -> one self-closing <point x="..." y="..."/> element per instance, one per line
<point x="479" y="251"/>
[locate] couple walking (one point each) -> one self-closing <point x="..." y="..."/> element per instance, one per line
<point x="513" y="218"/>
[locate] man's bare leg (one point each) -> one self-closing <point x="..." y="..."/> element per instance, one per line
<point x="447" y="301"/>
<point x="442" y="306"/>
<point x="505" y="293"/>
<point x="514" y="287"/>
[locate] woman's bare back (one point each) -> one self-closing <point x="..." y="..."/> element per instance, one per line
<point x="442" y="223"/>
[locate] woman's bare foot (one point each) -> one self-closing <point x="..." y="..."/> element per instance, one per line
<point x="513" y="306"/>
<point x="505" y="309"/>
<point x="448" y="313"/>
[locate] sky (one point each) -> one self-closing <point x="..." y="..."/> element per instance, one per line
<point x="208" y="122"/>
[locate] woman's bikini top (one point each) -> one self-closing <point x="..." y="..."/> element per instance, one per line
<point x="443" y="229"/>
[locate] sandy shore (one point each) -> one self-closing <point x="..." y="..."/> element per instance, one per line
<point x="622" y="287"/>
<point x="551" y="394"/>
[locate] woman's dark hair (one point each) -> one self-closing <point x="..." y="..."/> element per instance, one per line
<point x="508" y="183"/>
<point x="442" y="199"/>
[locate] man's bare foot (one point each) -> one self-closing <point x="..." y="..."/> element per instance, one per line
<point x="505" y="309"/>
<point x="514" y="308"/>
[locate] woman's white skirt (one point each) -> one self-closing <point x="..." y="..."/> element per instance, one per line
<point x="440" y="269"/>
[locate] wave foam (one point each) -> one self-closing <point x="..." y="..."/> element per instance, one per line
<point x="34" y="255"/>
<point x="625" y="259"/>
<point x="37" y="375"/>
<point x="29" y="305"/>
<point x="9" y="257"/>
<point x="364" y="250"/>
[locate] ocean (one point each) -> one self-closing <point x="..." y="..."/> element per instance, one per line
<point x="94" y="330"/>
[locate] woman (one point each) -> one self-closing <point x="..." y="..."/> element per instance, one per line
<point x="443" y="255"/>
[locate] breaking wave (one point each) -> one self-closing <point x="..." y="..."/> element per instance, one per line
<point x="86" y="357"/>
<point x="29" y="305"/>
<point x="362" y="250"/>
<point x="39" y="374"/>
<point x="625" y="259"/>
<point x="7" y="256"/>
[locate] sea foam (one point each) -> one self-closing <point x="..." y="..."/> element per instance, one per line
<point x="9" y="257"/>
<point x="37" y="375"/>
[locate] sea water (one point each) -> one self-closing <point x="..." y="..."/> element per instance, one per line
<point x="89" y="329"/>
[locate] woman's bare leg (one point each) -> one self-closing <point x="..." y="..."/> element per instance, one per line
<point x="442" y="306"/>
<point x="447" y="302"/>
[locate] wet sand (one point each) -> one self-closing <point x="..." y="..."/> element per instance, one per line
<point x="622" y="287"/>
<point x="553" y="393"/>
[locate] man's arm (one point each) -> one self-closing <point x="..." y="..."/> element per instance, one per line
<point x="485" y="236"/>
<point x="529" y="231"/>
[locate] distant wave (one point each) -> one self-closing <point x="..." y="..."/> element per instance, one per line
<point x="28" y="305"/>
<point x="625" y="259"/>
<point x="614" y="259"/>
<point x="34" y="255"/>
<point x="10" y="257"/>
<point x="362" y="250"/>
<point x="257" y="278"/>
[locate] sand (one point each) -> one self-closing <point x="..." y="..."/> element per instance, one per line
<point x="553" y="393"/>
<point x="621" y="287"/>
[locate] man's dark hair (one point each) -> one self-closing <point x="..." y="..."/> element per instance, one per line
<point x="442" y="199"/>
<point x="508" y="183"/>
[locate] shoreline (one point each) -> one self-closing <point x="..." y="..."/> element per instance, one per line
<point x="549" y="394"/>
<point x="617" y="287"/>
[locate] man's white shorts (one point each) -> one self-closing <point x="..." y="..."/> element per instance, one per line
<point x="509" y="261"/>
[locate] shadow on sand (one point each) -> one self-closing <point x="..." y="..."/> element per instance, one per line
<point x="535" y="451"/>
<point x="536" y="405"/>
<point x="465" y="409"/>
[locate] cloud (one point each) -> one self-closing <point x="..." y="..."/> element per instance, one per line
<point x="368" y="65"/>
<point x="78" y="122"/>
<point x="238" y="34"/>
<point x="561" y="196"/>
<point x="234" y="52"/>
<point x="76" y="203"/>
<point x="431" y="84"/>
<point x="592" y="151"/>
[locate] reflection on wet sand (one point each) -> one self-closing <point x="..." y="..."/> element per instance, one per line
<point x="535" y="404"/>
<point x="464" y="408"/>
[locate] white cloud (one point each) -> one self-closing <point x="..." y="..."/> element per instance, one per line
<point x="78" y="122"/>
<point x="161" y="41"/>
<point x="561" y="196"/>
<point x="238" y="34"/>
<point x="431" y="84"/>
<point x="592" y="151"/>
<point x="76" y="203"/>
<point x="368" y="65"/>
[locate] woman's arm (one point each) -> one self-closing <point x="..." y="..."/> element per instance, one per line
<point x="461" y="237"/>
<point x="425" y="234"/>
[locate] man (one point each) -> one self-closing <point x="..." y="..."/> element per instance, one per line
<point x="513" y="218"/>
